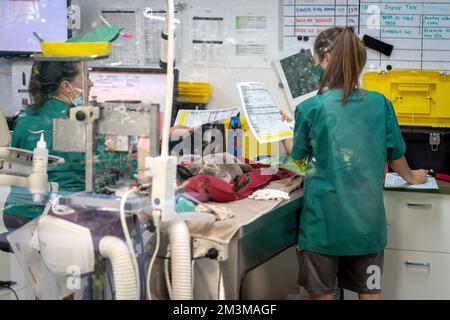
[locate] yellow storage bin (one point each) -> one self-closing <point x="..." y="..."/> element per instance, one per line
<point x="420" y="98"/>
<point x="194" y="92"/>
<point x="251" y="148"/>
<point x="75" y="49"/>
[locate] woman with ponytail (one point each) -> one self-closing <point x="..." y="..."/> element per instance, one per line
<point x="346" y="135"/>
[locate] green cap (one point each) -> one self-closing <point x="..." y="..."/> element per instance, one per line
<point x="103" y="34"/>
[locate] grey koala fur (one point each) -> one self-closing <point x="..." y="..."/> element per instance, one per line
<point x="221" y="165"/>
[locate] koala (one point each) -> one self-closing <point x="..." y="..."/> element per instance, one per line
<point x="220" y="165"/>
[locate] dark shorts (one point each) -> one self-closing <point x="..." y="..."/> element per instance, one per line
<point x="318" y="273"/>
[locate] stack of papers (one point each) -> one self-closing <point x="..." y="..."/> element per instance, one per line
<point x="393" y="180"/>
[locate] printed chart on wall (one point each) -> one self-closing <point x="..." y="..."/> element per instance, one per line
<point x="139" y="44"/>
<point x="208" y="38"/>
<point x="124" y="50"/>
<point x="261" y="113"/>
<point x="153" y="25"/>
<point x="418" y="30"/>
<point x="232" y="37"/>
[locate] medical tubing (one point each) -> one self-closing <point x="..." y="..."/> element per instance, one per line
<point x="14" y="181"/>
<point x="170" y="77"/>
<point x="124" y="276"/>
<point x="180" y="244"/>
<point x="126" y="233"/>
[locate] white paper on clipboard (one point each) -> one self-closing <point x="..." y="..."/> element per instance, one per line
<point x="393" y="180"/>
<point x="261" y="113"/>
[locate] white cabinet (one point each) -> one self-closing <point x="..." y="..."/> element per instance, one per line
<point x="418" y="221"/>
<point x="10" y="270"/>
<point x="416" y="275"/>
<point x="417" y="258"/>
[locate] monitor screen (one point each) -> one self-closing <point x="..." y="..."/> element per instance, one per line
<point x="20" y="18"/>
<point x="130" y="84"/>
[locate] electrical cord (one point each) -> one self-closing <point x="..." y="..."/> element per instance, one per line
<point x="141" y="256"/>
<point x="193" y="270"/>
<point x="113" y="292"/>
<point x="218" y="284"/>
<point x="156" y="219"/>
<point x="166" y="273"/>
<point x="14" y="292"/>
<point x="8" y="285"/>
<point x="126" y="233"/>
<point x="108" y="276"/>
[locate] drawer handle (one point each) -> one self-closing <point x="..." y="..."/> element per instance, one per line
<point x="418" y="264"/>
<point x="419" y="205"/>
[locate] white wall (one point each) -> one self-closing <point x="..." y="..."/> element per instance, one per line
<point x="223" y="80"/>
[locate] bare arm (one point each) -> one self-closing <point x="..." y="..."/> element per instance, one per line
<point x="288" y="144"/>
<point x="411" y="176"/>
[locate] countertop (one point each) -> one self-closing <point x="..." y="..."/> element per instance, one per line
<point x="444" y="188"/>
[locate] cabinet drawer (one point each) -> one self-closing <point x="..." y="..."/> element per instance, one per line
<point x="418" y="221"/>
<point x="416" y="275"/>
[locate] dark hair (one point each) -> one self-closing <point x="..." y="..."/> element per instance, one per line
<point x="346" y="63"/>
<point x="46" y="77"/>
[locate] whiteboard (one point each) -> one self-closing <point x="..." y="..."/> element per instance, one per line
<point x="419" y="30"/>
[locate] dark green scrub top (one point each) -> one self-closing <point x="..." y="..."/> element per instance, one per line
<point x="27" y="130"/>
<point x="70" y="176"/>
<point x="347" y="147"/>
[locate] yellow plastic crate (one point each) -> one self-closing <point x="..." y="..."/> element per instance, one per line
<point x="420" y="98"/>
<point x="75" y="49"/>
<point x="251" y="148"/>
<point x="194" y="92"/>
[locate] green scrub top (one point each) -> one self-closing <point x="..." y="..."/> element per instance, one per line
<point x="70" y="176"/>
<point x="347" y="147"/>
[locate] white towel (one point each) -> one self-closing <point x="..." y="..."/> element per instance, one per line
<point x="269" y="194"/>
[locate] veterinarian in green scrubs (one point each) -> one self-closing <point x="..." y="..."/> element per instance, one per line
<point x="347" y="135"/>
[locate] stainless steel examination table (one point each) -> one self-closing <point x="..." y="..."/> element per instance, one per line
<point x="258" y="242"/>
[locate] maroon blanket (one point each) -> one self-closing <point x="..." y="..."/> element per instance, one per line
<point x="240" y="188"/>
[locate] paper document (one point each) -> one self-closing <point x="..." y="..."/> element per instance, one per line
<point x="393" y="180"/>
<point x="262" y="114"/>
<point x="195" y="118"/>
<point x="251" y="23"/>
<point x="115" y="87"/>
<point x="207" y="33"/>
